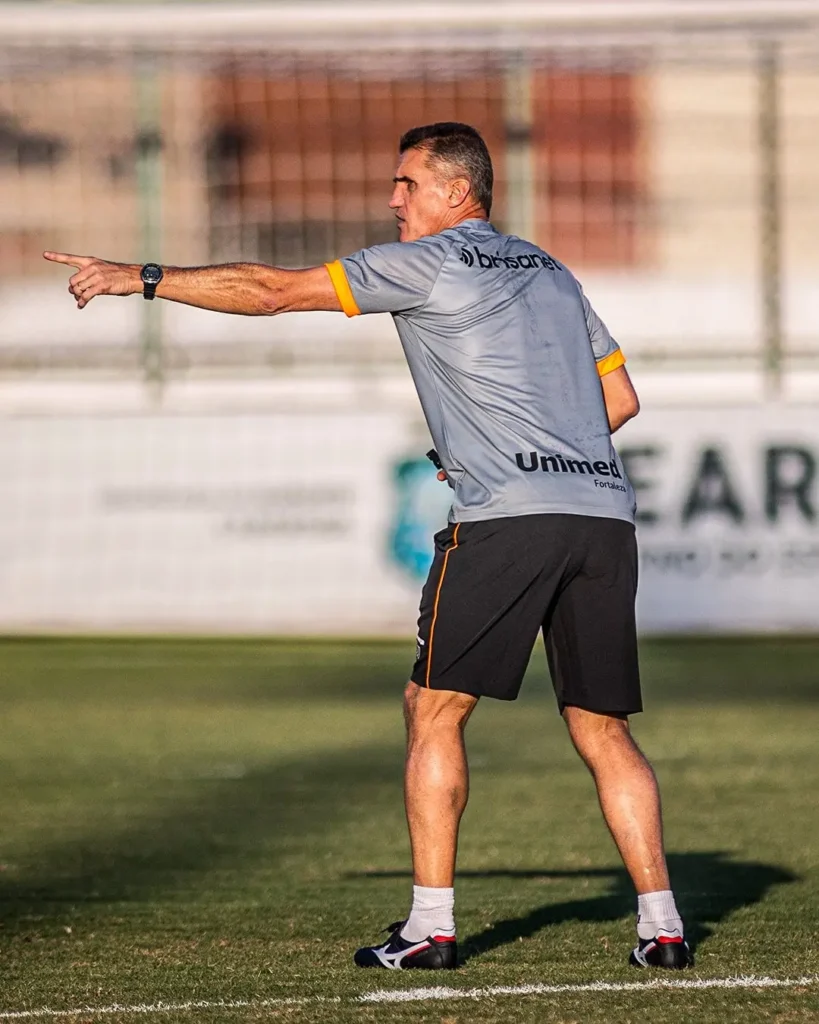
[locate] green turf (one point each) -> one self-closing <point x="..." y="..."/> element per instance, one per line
<point x="223" y="820"/>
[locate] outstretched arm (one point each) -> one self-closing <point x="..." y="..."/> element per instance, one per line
<point x="251" y="289"/>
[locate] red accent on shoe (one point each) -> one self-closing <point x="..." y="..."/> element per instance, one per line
<point x="444" y="938"/>
<point x="666" y="939"/>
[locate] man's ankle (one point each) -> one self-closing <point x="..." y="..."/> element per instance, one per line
<point x="657" y="913"/>
<point x="432" y="914"/>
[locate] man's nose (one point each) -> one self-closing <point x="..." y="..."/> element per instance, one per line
<point x="396" y="201"/>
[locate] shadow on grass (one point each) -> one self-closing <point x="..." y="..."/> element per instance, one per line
<point x="709" y="887"/>
<point x="208" y="837"/>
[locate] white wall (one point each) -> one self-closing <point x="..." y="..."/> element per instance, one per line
<point x="285" y="522"/>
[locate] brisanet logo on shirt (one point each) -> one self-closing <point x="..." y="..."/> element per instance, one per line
<point x="561" y="464"/>
<point x="526" y="261"/>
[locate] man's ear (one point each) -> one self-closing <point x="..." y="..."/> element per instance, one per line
<point x="459" y="189"/>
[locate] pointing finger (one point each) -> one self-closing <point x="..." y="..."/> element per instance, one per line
<point x="71" y="261"/>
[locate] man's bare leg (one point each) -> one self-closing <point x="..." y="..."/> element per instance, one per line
<point x="436" y="779"/>
<point x="628" y="793"/>
<point x="630" y="801"/>
<point x="436" y="789"/>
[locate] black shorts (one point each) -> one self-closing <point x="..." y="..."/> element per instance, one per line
<point x="494" y="584"/>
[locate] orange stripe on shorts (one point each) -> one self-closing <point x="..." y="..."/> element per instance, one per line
<point x="437" y="598"/>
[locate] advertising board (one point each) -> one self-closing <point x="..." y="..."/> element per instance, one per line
<point x="321" y="523"/>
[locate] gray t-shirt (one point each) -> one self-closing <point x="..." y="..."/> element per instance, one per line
<point x="502" y="346"/>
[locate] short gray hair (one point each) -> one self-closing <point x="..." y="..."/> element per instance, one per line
<point x="461" y="147"/>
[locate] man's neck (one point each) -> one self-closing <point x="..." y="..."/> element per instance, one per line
<point x="475" y="213"/>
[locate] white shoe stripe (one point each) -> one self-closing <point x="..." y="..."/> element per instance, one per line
<point x="385" y="961"/>
<point x="393" y="960"/>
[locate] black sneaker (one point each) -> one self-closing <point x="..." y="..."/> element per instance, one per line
<point x="662" y="951"/>
<point x="434" y="953"/>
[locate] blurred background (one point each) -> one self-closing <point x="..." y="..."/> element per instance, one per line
<point x="166" y="469"/>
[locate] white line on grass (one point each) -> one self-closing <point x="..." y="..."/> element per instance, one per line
<point x="412" y="995"/>
<point x="149" y="1008"/>
<point x="422" y="994"/>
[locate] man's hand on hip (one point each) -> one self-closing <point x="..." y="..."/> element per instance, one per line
<point x="97" y="277"/>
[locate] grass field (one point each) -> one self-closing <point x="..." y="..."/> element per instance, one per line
<point x="222" y="821"/>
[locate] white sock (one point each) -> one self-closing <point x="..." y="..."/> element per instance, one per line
<point x="657" y="912"/>
<point x="433" y="913"/>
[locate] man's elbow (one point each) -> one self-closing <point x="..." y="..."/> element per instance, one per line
<point x="270" y="290"/>
<point x="271" y="301"/>
<point x="627" y="411"/>
<point x="628" y="404"/>
<point x="622" y="411"/>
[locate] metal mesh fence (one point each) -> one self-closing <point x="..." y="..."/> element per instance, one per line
<point x="676" y="171"/>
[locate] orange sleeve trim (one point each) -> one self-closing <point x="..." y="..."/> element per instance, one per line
<point x="342" y="287"/>
<point x="437" y="598"/>
<point x="612" y="362"/>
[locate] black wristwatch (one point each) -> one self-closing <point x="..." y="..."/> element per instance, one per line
<point x="151" y="275"/>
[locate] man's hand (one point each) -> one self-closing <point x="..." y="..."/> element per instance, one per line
<point x="97" y="277"/>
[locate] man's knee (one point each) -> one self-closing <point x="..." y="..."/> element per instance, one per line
<point x="426" y="709"/>
<point x="591" y="731"/>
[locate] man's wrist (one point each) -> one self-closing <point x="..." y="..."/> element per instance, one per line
<point x="134" y="278"/>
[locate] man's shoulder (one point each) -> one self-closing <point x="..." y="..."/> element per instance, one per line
<point x="422" y="249"/>
<point x="525" y="245"/>
<point x="484" y="236"/>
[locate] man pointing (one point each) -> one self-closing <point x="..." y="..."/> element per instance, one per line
<point x="521" y="386"/>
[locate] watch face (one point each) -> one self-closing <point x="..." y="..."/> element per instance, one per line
<point x="151" y="273"/>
